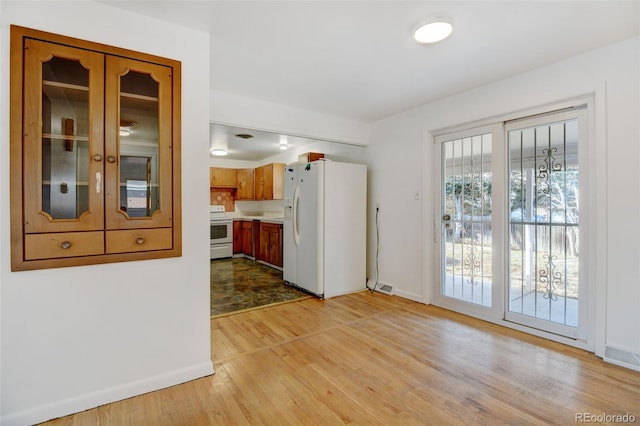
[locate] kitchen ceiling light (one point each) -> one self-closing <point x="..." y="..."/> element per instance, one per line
<point x="284" y="144"/>
<point x="433" y="31"/>
<point x="220" y="152"/>
<point x="219" y="143"/>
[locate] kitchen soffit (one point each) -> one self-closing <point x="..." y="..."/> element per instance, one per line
<point x="265" y="145"/>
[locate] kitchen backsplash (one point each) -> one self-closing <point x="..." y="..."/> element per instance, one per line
<point x="223" y="197"/>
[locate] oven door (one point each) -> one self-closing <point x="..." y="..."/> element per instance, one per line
<point x="221" y="232"/>
<point x="221" y="237"/>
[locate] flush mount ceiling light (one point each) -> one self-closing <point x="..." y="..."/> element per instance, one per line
<point x="433" y="31"/>
<point x="219" y="143"/>
<point x="284" y="144"/>
<point x="219" y="147"/>
<point x="220" y="151"/>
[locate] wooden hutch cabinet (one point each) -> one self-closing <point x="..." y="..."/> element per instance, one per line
<point x="95" y="153"/>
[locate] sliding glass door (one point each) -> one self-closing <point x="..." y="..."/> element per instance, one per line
<point x="508" y="221"/>
<point x="544" y="223"/>
<point x="467" y="219"/>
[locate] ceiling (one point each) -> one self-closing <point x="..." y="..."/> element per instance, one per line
<point x="260" y="146"/>
<point x="357" y="60"/>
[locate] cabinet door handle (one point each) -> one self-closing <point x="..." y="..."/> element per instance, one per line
<point x="139" y="241"/>
<point x="111" y="159"/>
<point x="65" y="245"/>
<point x="97" y="158"/>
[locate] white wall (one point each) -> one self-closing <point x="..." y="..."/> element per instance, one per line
<point x="74" y="338"/>
<point x="400" y="160"/>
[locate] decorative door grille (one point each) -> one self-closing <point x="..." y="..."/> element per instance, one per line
<point x="543" y="222"/>
<point x="466" y="219"/>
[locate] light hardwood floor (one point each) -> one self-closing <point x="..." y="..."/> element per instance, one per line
<point x="379" y="360"/>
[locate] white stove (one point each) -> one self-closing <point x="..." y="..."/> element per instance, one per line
<point x="221" y="233"/>
<point x="217" y="212"/>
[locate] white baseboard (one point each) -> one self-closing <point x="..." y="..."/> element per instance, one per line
<point x="95" y="399"/>
<point x="623" y="357"/>
<point x="407" y="295"/>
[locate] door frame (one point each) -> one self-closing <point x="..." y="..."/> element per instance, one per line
<point x="595" y="154"/>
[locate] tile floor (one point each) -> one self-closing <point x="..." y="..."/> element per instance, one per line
<point x="239" y="284"/>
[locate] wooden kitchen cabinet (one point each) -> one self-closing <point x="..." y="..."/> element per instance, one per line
<point x="237" y="237"/>
<point x="271" y="243"/>
<point x="247" y="237"/>
<point x="245" y="180"/>
<point x="259" y="183"/>
<point x="220" y="177"/>
<point x="95" y="153"/>
<point x="243" y="237"/>
<point x="256" y="239"/>
<point x="269" y="182"/>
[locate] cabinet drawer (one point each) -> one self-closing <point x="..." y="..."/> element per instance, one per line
<point x="134" y="240"/>
<point x="66" y="244"/>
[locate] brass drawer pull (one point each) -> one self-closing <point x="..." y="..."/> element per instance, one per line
<point x="111" y="159"/>
<point x="97" y="158"/>
<point x="65" y="245"/>
<point x="139" y="241"/>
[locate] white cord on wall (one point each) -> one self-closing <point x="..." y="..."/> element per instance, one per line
<point x="375" y="284"/>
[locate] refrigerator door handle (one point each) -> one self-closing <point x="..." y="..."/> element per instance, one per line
<point x="296" y="228"/>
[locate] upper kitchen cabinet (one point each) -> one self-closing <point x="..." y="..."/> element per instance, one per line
<point x="269" y="182"/>
<point x="245" y="179"/>
<point x="220" y="177"/>
<point x="95" y="153"/>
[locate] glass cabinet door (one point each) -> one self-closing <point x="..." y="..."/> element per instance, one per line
<point x="63" y="138"/>
<point x="138" y="144"/>
<point x="95" y="153"/>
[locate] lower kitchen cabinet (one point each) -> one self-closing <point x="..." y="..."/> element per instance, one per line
<point x="246" y="233"/>
<point x="270" y="243"/>
<point x="258" y="240"/>
<point x="243" y="237"/>
<point x="237" y="237"/>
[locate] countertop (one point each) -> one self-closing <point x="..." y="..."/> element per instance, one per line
<point x="267" y="219"/>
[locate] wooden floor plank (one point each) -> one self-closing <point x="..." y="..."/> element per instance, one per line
<point x="373" y="359"/>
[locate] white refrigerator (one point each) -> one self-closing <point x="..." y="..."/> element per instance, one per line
<point x="324" y="241"/>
